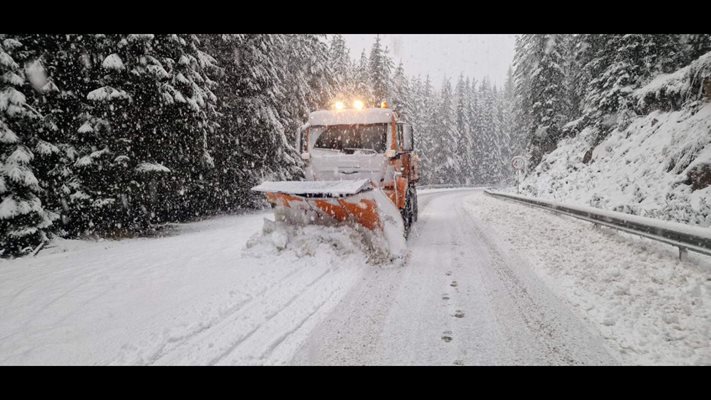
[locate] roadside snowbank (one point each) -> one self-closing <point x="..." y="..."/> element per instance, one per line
<point x="650" y="307"/>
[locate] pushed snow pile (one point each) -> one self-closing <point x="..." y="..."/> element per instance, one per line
<point x="341" y="242"/>
<point x="658" y="167"/>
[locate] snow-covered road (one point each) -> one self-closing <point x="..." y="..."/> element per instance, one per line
<point x="476" y="289"/>
<point x="459" y="301"/>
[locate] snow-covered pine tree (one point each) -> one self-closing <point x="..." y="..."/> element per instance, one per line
<point x="487" y="139"/>
<point x="303" y="65"/>
<point x="341" y="68"/>
<point x="620" y="69"/>
<point x="179" y="137"/>
<point x="463" y="145"/>
<point x="475" y="127"/>
<point x="24" y="222"/>
<point x="516" y="139"/>
<point x="571" y="100"/>
<point x="400" y="93"/>
<point x="147" y="129"/>
<point x="502" y="119"/>
<point x="445" y="162"/>
<point x="379" y="70"/>
<point x="694" y="45"/>
<point x="523" y="63"/>
<point x="60" y="74"/>
<point x="540" y="75"/>
<point x="103" y="180"/>
<point x="416" y="108"/>
<point x="427" y="131"/>
<point x="361" y="80"/>
<point x="251" y="135"/>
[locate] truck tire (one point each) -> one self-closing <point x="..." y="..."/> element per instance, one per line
<point x="409" y="213"/>
<point x="415" y="212"/>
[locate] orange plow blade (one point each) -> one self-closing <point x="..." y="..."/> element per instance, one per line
<point x="354" y="202"/>
<point x="327" y="202"/>
<point x="363" y="211"/>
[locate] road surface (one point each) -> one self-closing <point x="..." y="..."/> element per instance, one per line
<point x="459" y="301"/>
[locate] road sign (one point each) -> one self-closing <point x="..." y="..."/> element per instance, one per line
<point x="518" y="163"/>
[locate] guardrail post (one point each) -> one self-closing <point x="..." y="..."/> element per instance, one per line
<point x="683" y="254"/>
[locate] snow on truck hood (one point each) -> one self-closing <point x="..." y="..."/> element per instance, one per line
<point x="351" y="117"/>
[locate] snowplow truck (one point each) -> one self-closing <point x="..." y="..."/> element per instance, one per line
<point x="360" y="168"/>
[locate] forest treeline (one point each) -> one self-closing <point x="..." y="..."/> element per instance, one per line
<point x="113" y="135"/>
<point x="566" y="83"/>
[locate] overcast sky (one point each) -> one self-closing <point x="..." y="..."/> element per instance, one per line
<point x="444" y="55"/>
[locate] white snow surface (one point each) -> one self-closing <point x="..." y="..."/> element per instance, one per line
<point x="351" y="116"/>
<point x="650" y="307"/>
<point x="485" y="282"/>
<point x="106" y="93"/>
<point x="704" y="233"/>
<point x="205" y="295"/>
<point x="640" y="170"/>
<point x="113" y="62"/>
<point x="683" y="84"/>
<point x="152" y="167"/>
<point x="342" y="187"/>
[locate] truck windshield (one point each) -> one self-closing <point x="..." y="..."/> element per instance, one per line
<point x="351" y="138"/>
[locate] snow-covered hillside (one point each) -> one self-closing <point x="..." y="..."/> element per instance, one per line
<point x="657" y="166"/>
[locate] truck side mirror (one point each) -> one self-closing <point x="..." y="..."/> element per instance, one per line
<point x="408" y="138"/>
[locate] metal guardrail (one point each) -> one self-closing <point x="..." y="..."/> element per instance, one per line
<point x="685" y="237"/>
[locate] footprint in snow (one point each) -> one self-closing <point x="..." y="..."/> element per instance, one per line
<point x="447" y="336"/>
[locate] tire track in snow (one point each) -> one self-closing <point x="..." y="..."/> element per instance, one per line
<point x="281" y="335"/>
<point x="215" y="343"/>
<point x="171" y="343"/>
<point x="267" y="317"/>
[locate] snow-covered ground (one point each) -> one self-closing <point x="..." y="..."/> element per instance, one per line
<point x="199" y="296"/>
<point x="643" y="169"/>
<point x="650" y="307"/>
<point x="460" y="300"/>
<point x="485" y="282"/>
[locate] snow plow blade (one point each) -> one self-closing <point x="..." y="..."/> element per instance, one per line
<point x="328" y="201"/>
<point x="333" y="202"/>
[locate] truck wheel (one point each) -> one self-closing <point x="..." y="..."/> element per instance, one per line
<point x="407" y="214"/>
<point x="415" y="212"/>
